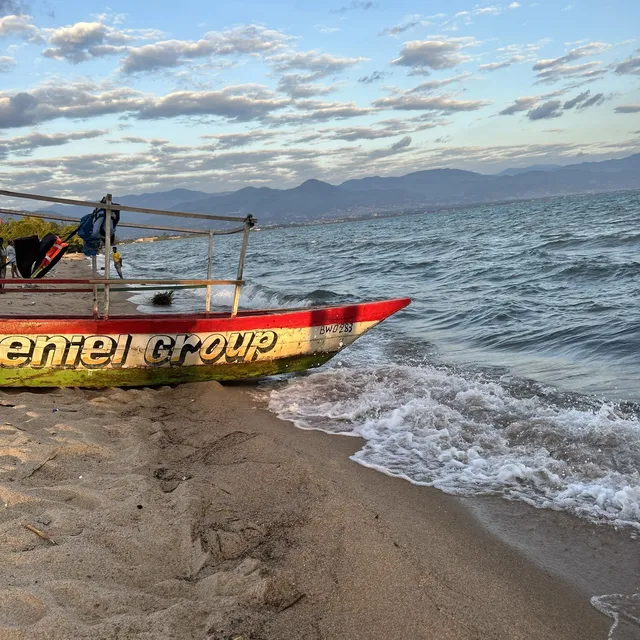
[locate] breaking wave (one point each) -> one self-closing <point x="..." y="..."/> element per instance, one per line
<point x="471" y="435"/>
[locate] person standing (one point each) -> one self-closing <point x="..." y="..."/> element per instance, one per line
<point x="11" y="259"/>
<point x="3" y="263"/>
<point x="117" y="261"/>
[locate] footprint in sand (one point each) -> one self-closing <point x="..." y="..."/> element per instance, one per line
<point x="19" y="608"/>
<point x="73" y="498"/>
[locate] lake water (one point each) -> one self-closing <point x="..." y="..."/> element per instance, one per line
<point x="515" y="371"/>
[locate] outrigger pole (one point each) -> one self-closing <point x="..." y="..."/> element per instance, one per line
<point x="109" y="206"/>
<point x="101" y="205"/>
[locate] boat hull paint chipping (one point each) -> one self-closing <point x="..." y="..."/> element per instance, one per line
<point x="156" y="350"/>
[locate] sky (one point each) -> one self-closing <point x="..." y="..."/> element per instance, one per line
<point x="140" y="96"/>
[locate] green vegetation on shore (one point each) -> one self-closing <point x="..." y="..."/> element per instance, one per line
<point x="11" y="229"/>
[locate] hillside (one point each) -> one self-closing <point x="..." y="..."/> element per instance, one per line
<point x="315" y="200"/>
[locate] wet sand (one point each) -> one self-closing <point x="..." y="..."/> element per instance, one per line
<point x="192" y="512"/>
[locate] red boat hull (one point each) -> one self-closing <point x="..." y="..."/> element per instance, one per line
<point x="166" y="349"/>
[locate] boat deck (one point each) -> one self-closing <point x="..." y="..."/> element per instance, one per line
<point x="48" y="305"/>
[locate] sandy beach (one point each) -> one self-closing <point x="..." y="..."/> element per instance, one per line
<point x="193" y="512"/>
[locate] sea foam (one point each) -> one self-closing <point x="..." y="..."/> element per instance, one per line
<point x="623" y="609"/>
<point x="467" y="435"/>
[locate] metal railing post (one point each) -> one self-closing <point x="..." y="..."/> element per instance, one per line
<point x="243" y="253"/>
<point x="107" y="251"/>
<point x="207" y="307"/>
<point x="93" y="285"/>
<point x="94" y="270"/>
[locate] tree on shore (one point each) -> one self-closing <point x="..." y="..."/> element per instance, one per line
<point x="10" y="229"/>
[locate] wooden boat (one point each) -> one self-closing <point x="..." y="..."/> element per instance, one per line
<point x="153" y="350"/>
<point x="157" y="349"/>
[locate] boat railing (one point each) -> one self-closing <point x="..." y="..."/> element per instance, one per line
<point x="106" y="284"/>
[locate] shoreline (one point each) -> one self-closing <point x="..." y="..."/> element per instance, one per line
<point x="194" y="512"/>
<point x="594" y="560"/>
<point x="201" y="513"/>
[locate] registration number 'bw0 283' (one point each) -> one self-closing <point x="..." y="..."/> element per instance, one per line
<point x="336" y="328"/>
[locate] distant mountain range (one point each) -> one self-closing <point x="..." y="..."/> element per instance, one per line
<point x="315" y="200"/>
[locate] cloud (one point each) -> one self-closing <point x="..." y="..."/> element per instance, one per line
<point x="520" y="104"/>
<point x="503" y="155"/>
<point x="7" y="64"/>
<point x="242" y="40"/>
<point x="389" y="128"/>
<point x="581" y="97"/>
<point x="494" y="66"/>
<point x="351" y="134"/>
<point x="413" y="21"/>
<point x="628" y="108"/>
<point x="452" y="24"/>
<point x="630" y="66"/>
<point x="513" y="54"/>
<point x="399" y="147"/>
<point x="25" y="145"/>
<point x="357" y="5"/>
<point x="550" y="109"/>
<point x="445" y="53"/>
<point x="297" y="85"/>
<point x="515" y="5"/>
<point x="487" y="11"/>
<point x="527" y="51"/>
<point x="586" y="71"/>
<point x="56" y="100"/>
<point x="317" y="111"/>
<point x="130" y="140"/>
<point x="589" y="49"/>
<point x="376" y="76"/>
<point x="383" y="129"/>
<point x="315" y="62"/>
<point x="554" y="69"/>
<point x="84" y="41"/>
<point x="415" y="102"/>
<point x="20" y="26"/>
<point x="431" y="85"/>
<point x="583" y="101"/>
<point x="401" y="144"/>
<point x="585" y="50"/>
<point x="225" y="141"/>
<point x="159" y="168"/>
<point x="240" y="103"/>
<point x="593" y="101"/>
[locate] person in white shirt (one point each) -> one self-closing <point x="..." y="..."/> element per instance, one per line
<point x="11" y="259"/>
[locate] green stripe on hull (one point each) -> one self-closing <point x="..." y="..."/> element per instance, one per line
<point x="149" y="376"/>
